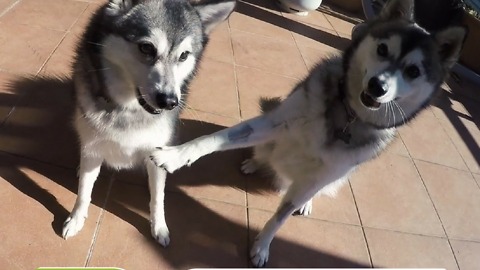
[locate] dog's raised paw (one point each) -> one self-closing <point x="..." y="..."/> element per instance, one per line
<point x="72" y="226"/>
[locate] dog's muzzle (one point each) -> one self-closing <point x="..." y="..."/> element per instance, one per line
<point x="375" y="89"/>
<point x="147" y="107"/>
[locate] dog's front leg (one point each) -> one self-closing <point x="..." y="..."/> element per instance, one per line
<point x="249" y="133"/>
<point x="88" y="173"/>
<point x="156" y="183"/>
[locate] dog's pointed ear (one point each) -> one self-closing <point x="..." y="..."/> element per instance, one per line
<point x="213" y="12"/>
<point x="398" y="9"/>
<point x="450" y="42"/>
<point x="119" y="7"/>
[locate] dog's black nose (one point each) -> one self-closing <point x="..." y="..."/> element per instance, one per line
<point x="166" y="101"/>
<point x="376" y="87"/>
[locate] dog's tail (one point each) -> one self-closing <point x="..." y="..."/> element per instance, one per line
<point x="269" y="104"/>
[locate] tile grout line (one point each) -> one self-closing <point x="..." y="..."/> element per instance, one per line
<point x="456" y="148"/>
<point x="432" y="202"/>
<point x="361" y="225"/>
<point x="10" y="8"/>
<point x="66" y="32"/>
<point x="99" y="223"/>
<point x="235" y="72"/>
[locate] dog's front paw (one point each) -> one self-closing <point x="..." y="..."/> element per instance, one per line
<point x="259" y="253"/>
<point x="170" y="158"/>
<point x="161" y="234"/>
<point x="72" y="226"/>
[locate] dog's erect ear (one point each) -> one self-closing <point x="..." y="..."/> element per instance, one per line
<point x="120" y="7"/>
<point x="450" y="43"/>
<point x="213" y="12"/>
<point x="398" y="9"/>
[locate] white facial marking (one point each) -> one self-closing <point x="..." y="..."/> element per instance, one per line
<point x="159" y="39"/>
<point x="181" y="70"/>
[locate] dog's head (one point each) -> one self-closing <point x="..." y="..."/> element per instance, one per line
<point x="155" y="46"/>
<point x="394" y="66"/>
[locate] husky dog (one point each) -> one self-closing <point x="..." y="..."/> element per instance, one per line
<point x="343" y="114"/>
<point x="132" y="70"/>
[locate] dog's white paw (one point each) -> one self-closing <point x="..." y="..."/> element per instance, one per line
<point x="306" y="209"/>
<point x="249" y="166"/>
<point x="72" y="225"/>
<point x="170" y="158"/>
<point x="161" y="234"/>
<point x="259" y="253"/>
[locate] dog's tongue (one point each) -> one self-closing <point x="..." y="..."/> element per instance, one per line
<point x="368" y="101"/>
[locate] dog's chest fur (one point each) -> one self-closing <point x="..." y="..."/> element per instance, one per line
<point x="122" y="136"/>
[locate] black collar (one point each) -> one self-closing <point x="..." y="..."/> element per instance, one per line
<point x="344" y="133"/>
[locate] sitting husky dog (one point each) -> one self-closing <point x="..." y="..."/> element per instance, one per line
<point x="343" y="114"/>
<point x="132" y="69"/>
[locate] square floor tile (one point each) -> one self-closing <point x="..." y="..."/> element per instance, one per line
<point x="401" y="250"/>
<point x="466" y="254"/>
<point x="460" y="117"/>
<point x="61" y="61"/>
<point x="219" y="47"/>
<point x="28" y="51"/>
<point x="456" y="197"/>
<point x="313" y="56"/>
<point x="254" y="84"/>
<point x="262" y="21"/>
<point x="214" y="89"/>
<point x="319" y="37"/>
<point x="271" y="55"/>
<point x="52" y="14"/>
<point x="203" y="233"/>
<point x="341" y="208"/>
<point x="303" y="242"/>
<point x="427" y="140"/>
<point x="390" y="195"/>
<point x="41" y="127"/>
<point x="36" y="199"/>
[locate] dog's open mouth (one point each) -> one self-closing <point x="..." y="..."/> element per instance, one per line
<point x="145" y="104"/>
<point x="369" y="102"/>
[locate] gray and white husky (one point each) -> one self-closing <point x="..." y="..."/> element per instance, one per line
<point x="344" y="113"/>
<point x="131" y="74"/>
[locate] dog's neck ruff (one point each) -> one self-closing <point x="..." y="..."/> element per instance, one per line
<point x="344" y="133"/>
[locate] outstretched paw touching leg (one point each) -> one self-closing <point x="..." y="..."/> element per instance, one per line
<point x="171" y="158"/>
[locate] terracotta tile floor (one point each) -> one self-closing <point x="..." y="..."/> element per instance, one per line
<point x="418" y="205"/>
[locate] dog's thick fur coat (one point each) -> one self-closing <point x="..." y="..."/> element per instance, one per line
<point x="131" y="74"/>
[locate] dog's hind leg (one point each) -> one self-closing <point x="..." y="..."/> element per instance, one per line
<point x="88" y="173"/>
<point x="300" y="192"/>
<point x="156" y="183"/>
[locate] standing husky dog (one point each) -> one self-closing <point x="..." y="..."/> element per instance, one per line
<point x="343" y="114"/>
<point x="132" y="70"/>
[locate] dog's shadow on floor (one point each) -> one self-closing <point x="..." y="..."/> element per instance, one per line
<point x="38" y="136"/>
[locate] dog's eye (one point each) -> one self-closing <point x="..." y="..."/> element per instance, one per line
<point x="412" y="71"/>
<point x="147" y="48"/>
<point x="382" y="50"/>
<point x="184" y="56"/>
